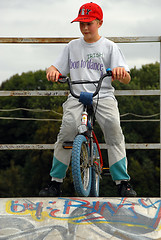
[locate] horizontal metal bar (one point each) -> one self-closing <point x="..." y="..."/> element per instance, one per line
<point x="137" y="92"/>
<point x="32" y="40"/>
<point x="137" y="146"/>
<point x="23" y="93"/>
<point x="51" y="146"/>
<point x="26" y="146"/>
<point x="143" y="146"/>
<point x="61" y="40"/>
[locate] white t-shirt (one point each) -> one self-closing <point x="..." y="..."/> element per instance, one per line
<point x="88" y="61"/>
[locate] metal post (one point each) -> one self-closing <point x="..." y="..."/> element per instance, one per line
<point x="160" y="118"/>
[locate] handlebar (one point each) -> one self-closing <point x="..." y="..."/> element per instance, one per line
<point x="64" y="79"/>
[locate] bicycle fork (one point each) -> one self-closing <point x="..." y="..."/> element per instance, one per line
<point x="86" y="129"/>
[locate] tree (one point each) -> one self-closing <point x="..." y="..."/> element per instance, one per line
<point x="29" y="170"/>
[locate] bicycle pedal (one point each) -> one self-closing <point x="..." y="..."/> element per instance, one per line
<point x="106" y="171"/>
<point x="68" y="145"/>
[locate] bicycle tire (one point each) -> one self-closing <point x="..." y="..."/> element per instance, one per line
<point x="95" y="175"/>
<point x="81" y="172"/>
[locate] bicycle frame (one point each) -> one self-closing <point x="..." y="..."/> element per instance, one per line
<point x="87" y="162"/>
<point x="92" y="137"/>
<point x="63" y="79"/>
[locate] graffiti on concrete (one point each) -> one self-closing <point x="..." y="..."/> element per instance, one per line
<point x="123" y="218"/>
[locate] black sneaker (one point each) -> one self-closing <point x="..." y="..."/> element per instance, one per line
<point x="51" y="190"/>
<point x="126" y="190"/>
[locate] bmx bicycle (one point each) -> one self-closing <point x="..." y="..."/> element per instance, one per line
<point x="86" y="158"/>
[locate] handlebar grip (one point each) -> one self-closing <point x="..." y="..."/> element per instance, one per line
<point x="109" y="72"/>
<point x="62" y="79"/>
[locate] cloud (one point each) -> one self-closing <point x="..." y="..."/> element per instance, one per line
<point x="138" y="54"/>
<point x="51" y="18"/>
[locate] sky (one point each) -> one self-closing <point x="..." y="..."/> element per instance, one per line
<point x="52" y="18"/>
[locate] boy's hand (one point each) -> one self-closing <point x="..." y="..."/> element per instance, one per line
<point x="52" y="74"/>
<point x="120" y="74"/>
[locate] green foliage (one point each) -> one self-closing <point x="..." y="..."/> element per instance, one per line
<point x="23" y="173"/>
<point x="11" y="180"/>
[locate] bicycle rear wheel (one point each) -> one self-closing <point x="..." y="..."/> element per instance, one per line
<point x="96" y="171"/>
<point x="81" y="171"/>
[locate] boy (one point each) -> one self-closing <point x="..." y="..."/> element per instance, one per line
<point x="87" y="58"/>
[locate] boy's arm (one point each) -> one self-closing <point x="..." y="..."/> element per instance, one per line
<point x="120" y="74"/>
<point x="52" y="74"/>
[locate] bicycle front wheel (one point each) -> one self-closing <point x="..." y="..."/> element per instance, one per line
<point x="81" y="171"/>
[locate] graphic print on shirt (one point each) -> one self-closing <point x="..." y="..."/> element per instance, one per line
<point x="89" y="63"/>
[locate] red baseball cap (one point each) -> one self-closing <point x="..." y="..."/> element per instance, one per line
<point x="89" y="12"/>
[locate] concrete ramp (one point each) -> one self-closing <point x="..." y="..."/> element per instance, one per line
<point x="69" y="218"/>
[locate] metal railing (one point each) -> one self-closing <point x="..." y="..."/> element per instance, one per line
<point x="32" y="40"/>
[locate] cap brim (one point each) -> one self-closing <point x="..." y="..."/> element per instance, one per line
<point x="84" y="19"/>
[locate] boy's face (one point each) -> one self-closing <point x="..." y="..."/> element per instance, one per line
<point x="90" y="30"/>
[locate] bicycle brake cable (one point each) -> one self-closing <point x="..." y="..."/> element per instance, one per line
<point x="97" y="102"/>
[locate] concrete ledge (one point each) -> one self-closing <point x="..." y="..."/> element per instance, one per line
<point x="80" y="218"/>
